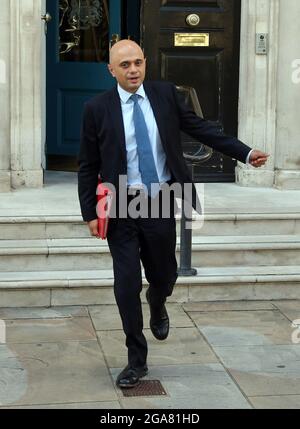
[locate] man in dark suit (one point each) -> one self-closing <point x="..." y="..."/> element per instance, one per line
<point x="134" y="130"/>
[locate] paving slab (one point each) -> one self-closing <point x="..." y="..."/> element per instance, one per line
<point x="13" y="376"/>
<point x="282" y="402"/>
<point x="190" y="386"/>
<point x="291" y="309"/>
<point x="83" y="295"/>
<point x="228" y="306"/>
<point x="113" y="405"/>
<point x="183" y="346"/>
<point x="263" y="370"/>
<point x="107" y="318"/>
<point x="52" y="373"/>
<point x="255" y="288"/>
<point x="43" y="313"/>
<point x="229" y="328"/>
<point x="20" y="298"/>
<point x="48" y="330"/>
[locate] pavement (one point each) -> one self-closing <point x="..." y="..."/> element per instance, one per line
<point x="219" y="355"/>
<point x="59" y="197"/>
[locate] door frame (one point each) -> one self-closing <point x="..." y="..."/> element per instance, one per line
<point x="44" y="90"/>
<point x="129" y="24"/>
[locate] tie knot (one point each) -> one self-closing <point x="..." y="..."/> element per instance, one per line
<point x="135" y="98"/>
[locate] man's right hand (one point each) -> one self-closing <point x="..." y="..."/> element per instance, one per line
<point x="258" y="158"/>
<point x="93" y="226"/>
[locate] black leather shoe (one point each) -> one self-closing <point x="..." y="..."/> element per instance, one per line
<point x="159" y="320"/>
<point x="130" y="377"/>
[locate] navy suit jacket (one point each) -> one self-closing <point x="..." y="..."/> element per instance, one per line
<point x="103" y="146"/>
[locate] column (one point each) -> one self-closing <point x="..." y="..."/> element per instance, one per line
<point x="258" y="89"/>
<point x="5" y="176"/>
<point x="287" y="173"/>
<point x="25" y="93"/>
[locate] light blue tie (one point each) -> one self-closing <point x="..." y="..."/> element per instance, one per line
<point x="146" y="160"/>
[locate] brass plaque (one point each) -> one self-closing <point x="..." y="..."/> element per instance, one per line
<point x="191" y="39"/>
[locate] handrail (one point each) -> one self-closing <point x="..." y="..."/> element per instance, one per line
<point x="204" y="153"/>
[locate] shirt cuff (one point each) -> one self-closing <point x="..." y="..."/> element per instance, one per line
<point x="248" y="157"/>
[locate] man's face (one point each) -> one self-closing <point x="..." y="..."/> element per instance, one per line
<point x="128" y="66"/>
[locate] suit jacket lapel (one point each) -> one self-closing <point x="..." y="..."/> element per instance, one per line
<point x="117" y="118"/>
<point x="157" y="110"/>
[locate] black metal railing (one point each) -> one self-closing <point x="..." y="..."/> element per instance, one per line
<point x="202" y="154"/>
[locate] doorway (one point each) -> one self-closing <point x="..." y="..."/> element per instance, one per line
<point x="79" y="34"/>
<point x="78" y="39"/>
<point x="197" y="43"/>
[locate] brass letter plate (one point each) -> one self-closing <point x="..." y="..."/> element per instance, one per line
<point x="191" y="39"/>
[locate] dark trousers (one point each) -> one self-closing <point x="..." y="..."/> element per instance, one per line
<point x="152" y="242"/>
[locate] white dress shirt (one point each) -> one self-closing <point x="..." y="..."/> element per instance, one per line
<point x="133" y="173"/>
<point x="248" y="156"/>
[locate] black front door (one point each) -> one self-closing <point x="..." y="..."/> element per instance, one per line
<point x="212" y="69"/>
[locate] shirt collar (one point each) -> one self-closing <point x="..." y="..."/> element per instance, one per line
<point x="125" y="95"/>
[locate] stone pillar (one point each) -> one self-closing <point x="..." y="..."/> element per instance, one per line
<point x="26" y="116"/>
<point x="287" y="174"/>
<point x="258" y="89"/>
<point x="5" y="176"/>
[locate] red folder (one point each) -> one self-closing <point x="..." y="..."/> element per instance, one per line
<point x="104" y="203"/>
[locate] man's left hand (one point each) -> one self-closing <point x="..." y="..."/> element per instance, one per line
<point x="258" y="158"/>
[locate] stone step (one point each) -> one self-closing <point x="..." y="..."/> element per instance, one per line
<point x="54" y="288"/>
<point x="92" y="254"/>
<point x="47" y="227"/>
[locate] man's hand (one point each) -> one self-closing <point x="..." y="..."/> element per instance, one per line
<point x="93" y="226"/>
<point x="258" y="158"/>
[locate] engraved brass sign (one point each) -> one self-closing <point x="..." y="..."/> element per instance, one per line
<point x="191" y="39"/>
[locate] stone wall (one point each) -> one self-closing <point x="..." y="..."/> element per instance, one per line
<point x="287" y="174"/>
<point x="270" y="92"/>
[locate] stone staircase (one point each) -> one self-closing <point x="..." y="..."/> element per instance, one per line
<point x="50" y="261"/>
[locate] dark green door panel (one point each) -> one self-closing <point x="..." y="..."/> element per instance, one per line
<point x="77" y="55"/>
